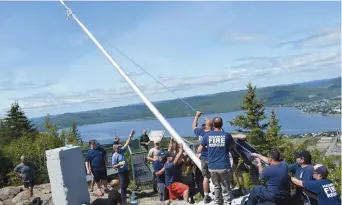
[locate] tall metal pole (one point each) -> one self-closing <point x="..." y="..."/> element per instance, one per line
<point x="153" y="109"/>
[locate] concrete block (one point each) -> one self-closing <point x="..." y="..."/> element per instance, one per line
<point x="67" y="176"/>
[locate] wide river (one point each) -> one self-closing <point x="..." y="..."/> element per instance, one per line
<point x="291" y="120"/>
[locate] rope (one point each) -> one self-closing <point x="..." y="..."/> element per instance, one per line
<point x="145" y="71"/>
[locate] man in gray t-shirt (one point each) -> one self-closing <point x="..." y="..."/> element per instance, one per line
<point x="26" y="174"/>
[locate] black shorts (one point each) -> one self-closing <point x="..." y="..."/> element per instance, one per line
<point x="235" y="160"/>
<point x="28" y="183"/>
<point x="99" y="174"/>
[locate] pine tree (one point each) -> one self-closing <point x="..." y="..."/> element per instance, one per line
<point x="74" y="137"/>
<point x="251" y="121"/>
<point x="273" y="135"/>
<point x="49" y="127"/>
<point x="17" y="122"/>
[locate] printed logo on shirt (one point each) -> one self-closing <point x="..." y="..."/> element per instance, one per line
<point x="217" y="141"/>
<point x="329" y="190"/>
<point x="200" y="138"/>
<point x="301" y="175"/>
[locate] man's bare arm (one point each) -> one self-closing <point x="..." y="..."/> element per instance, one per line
<point x="179" y="154"/>
<point x="129" y="139"/>
<point x="195" y="122"/>
<point x="263" y="158"/>
<point x="170" y="144"/>
<point x="297" y="182"/>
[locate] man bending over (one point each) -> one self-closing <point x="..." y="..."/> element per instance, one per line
<point x="277" y="188"/>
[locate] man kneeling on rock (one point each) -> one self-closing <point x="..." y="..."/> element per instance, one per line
<point x="26" y="174"/>
<point x="176" y="189"/>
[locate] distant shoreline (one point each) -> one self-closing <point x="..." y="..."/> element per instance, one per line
<point x="154" y="118"/>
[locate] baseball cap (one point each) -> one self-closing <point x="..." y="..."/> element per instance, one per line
<point x="170" y="154"/>
<point x="322" y="170"/>
<point x="162" y="154"/>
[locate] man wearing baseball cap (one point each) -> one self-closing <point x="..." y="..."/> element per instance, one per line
<point x="302" y="169"/>
<point x="119" y="162"/>
<point x="159" y="165"/>
<point x="176" y="189"/>
<point x="322" y="186"/>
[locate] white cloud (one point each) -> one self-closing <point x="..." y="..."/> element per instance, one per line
<point x="324" y="38"/>
<point x="253" y="68"/>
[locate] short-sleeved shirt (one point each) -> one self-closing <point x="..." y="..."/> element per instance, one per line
<point x="277" y="179"/>
<point x="199" y="132"/>
<point x="25" y="171"/>
<point x="144" y="138"/>
<point x="301" y="174"/>
<point x="153" y="153"/>
<point x="169" y="173"/>
<point x="158" y="165"/>
<point x="120" y="157"/>
<point x="218" y="143"/>
<point x="96" y="158"/>
<point x="114" y="197"/>
<point x="325" y="190"/>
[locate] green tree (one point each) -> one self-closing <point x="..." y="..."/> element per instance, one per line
<point x="49" y="127"/>
<point x="251" y="122"/>
<point x="74" y="136"/>
<point x="17" y="123"/>
<point x="273" y="136"/>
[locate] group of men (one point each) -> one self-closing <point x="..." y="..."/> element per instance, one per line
<point x="218" y="146"/>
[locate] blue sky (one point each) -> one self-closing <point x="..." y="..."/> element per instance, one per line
<point x="49" y="65"/>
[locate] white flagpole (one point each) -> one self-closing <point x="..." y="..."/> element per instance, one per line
<point x="153" y="109"/>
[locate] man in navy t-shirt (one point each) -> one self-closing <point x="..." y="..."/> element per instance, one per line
<point x="219" y="144"/>
<point x="176" y="189"/>
<point x="277" y="182"/>
<point x="96" y="164"/>
<point x="303" y="170"/>
<point x="159" y="165"/>
<point x="323" y="187"/>
<point x="199" y="132"/>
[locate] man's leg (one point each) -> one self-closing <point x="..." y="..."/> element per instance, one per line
<point x="122" y="187"/>
<point x="239" y="171"/>
<point x="225" y="179"/>
<point x="206" y="177"/>
<point x="97" y="179"/>
<point x="253" y="196"/>
<point x="215" y="177"/>
<point x="254" y="173"/>
<point x="161" y="191"/>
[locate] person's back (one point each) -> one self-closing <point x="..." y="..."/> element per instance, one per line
<point x="25" y="171"/>
<point x="96" y="158"/>
<point x="114" y="197"/>
<point x="219" y="144"/>
<point x="169" y="173"/>
<point x="218" y="149"/>
<point x="277" y="179"/>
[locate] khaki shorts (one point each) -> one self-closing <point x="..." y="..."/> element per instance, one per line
<point x="205" y="169"/>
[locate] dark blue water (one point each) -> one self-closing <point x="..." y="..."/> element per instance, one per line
<point x="291" y="120"/>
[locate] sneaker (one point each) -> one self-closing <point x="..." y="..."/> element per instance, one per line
<point x="207" y="199"/>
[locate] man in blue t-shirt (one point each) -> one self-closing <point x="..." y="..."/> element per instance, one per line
<point x="219" y="144"/>
<point x="277" y="182"/>
<point x="303" y="170"/>
<point x="323" y="187"/>
<point x="96" y="160"/>
<point x="119" y="162"/>
<point x="199" y="132"/>
<point x="159" y="165"/>
<point x="176" y="189"/>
